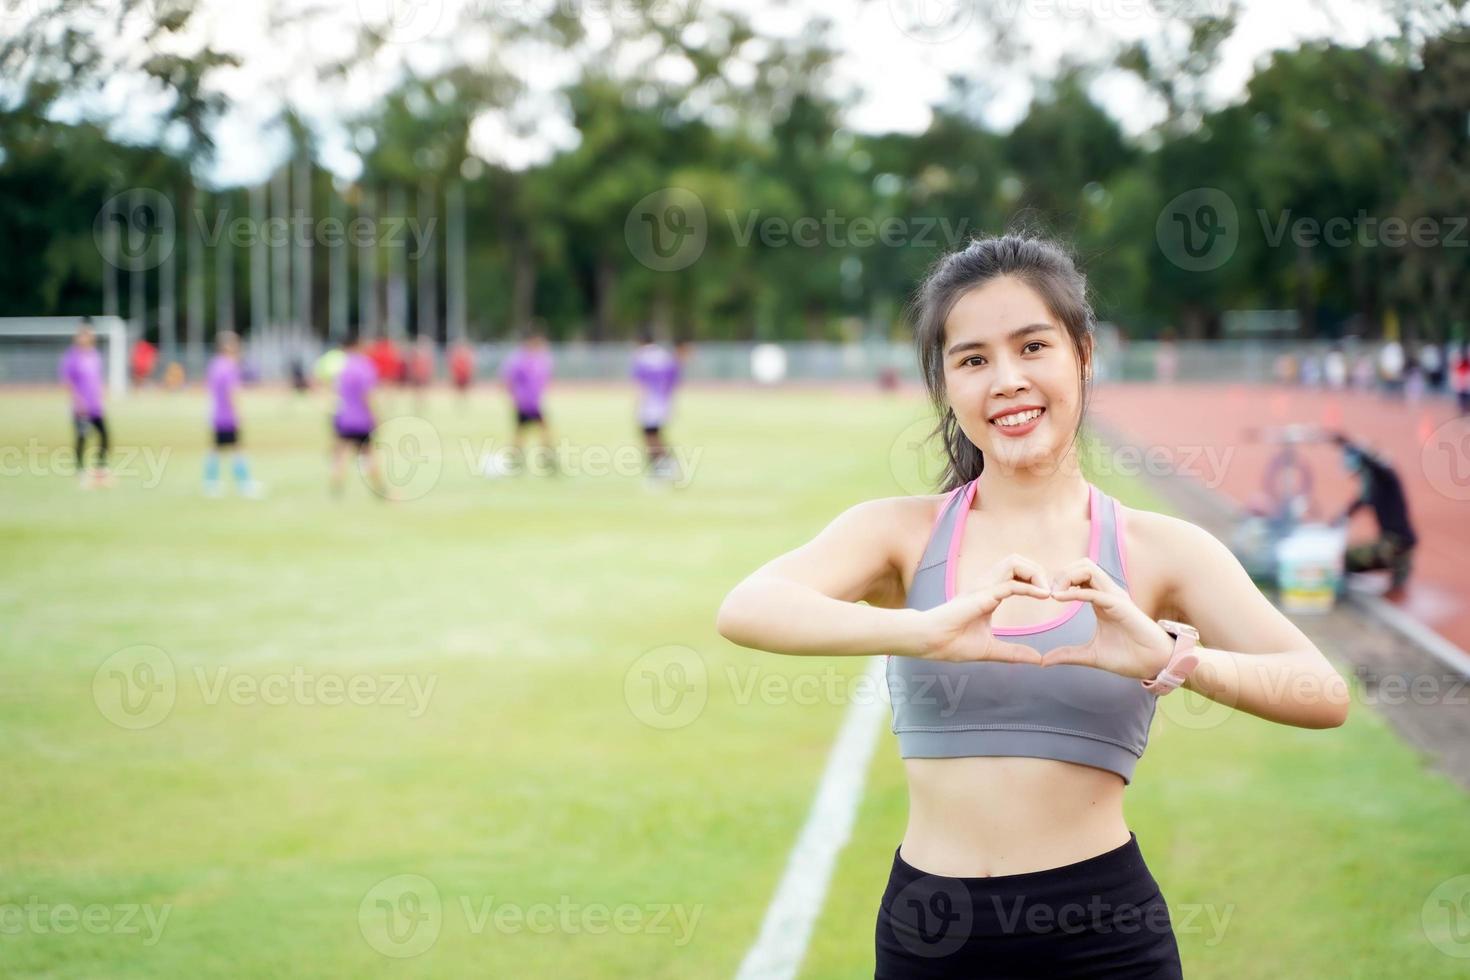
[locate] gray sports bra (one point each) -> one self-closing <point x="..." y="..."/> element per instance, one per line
<point x="1068" y="712"/>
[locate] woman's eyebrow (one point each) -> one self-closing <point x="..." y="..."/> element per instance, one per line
<point x="1018" y="332"/>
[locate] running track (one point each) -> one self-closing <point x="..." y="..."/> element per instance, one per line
<point x="1203" y="429"/>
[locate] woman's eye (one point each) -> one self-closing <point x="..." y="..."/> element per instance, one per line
<point x="969" y="361"/>
<point x="1035" y="343"/>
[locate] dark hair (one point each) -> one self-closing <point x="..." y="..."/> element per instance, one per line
<point x="1046" y="266"/>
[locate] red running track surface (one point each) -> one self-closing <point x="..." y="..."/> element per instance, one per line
<point x="1204" y="430"/>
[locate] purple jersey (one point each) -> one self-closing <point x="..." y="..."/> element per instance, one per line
<point x="222" y="380"/>
<point x="353" y="385"/>
<point x="81" y="372"/>
<point x="657" y="373"/>
<point x="527" y="373"/>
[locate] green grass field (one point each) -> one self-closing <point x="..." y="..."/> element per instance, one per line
<point x="307" y="737"/>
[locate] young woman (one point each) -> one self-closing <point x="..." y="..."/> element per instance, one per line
<point x="1029" y="620"/>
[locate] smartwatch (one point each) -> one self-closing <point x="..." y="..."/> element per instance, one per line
<point x="1181" y="663"/>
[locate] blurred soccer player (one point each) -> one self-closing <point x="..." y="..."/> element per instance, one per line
<point x="421" y="370"/>
<point x="656" y="371"/>
<point x="353" y="422"/>
<point x="526" y="374"/>
<point x="462" y="368"/>
<point x="223" y="380"/>
<point x="143" y="360"/>
<point x="81" y="372"/>
<point x="1460" y="379"/>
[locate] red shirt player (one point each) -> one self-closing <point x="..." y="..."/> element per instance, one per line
<point x="461" y="365"/>
<point x="421" y="364"/>
<point x="386" y="359"/>
<point x="144" y="358"/>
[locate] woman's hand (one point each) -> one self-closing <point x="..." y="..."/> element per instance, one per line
<point x="1125" y="642"/>
<point x="959" y="630"/>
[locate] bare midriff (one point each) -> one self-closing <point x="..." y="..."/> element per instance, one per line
<point x="982" y="816"/>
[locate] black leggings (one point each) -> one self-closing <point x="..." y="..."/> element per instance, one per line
<point x="1102" y="917"/>
<point x="95" y="421"/>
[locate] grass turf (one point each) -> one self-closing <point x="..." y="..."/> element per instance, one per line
<point x="583" y="781"/>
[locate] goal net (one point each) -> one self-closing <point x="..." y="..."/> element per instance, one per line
<point x="31" y="348"/>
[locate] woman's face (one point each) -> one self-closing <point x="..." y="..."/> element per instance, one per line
<point x="1011" y="374"/>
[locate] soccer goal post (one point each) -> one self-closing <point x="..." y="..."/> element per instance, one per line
<point x="31" y="348"/>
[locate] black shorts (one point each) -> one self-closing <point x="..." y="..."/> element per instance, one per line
<point x="526" y="418"/>
<point x="83" y="421"/>
<point x="226" y="437"/>
<point x="1100" y="917"/>
<point x="652" y="430"/>
<point x="356" y="436"/>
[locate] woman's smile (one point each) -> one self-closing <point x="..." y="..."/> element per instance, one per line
<point x="1019" y="421"/>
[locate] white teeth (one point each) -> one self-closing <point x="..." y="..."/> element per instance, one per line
<point x="1020" y="418"/>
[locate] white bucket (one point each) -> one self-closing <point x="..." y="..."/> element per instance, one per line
<point x="1309" y="567"/>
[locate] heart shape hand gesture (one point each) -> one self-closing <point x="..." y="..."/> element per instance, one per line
<point x="959" y="629"/>
<point x="1126" y="641"/>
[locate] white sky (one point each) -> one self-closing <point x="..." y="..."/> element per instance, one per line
<point x="896" y="56"/>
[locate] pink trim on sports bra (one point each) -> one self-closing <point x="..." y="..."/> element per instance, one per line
<point x="1094" y="543"/>
<point x="1120" y="534"/>
<point x="943" y="509"/>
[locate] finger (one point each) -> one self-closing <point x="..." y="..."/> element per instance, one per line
<point x="1015" y="653"/>
<point x="1086" y="572"/>
<point x="1073" y="654"/>
<point x="1019" y="567"/>
<point x="982" y="602"/>
<point x="998" y="593"/>
<point x="1103" y="600"/>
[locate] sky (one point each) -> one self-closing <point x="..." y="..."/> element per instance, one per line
<point x="895" y="58"/>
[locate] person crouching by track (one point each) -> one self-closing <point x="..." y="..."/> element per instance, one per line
<point x="1054" y="616"/>
<point x="1381" y="490"/>
<point x="354" y="421"/>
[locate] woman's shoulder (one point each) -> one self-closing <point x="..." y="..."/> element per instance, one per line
<point x="1164" y="550"/>
<point x="1157" y="531"/>
<point x="898" y="512"/>
<point x="901" y="525"/>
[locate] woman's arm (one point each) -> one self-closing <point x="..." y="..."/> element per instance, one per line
<point x="1252" y="657"/>
<point x="807" y="601"/>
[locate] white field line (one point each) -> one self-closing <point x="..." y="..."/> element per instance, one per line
<point x="792" y="914"/>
